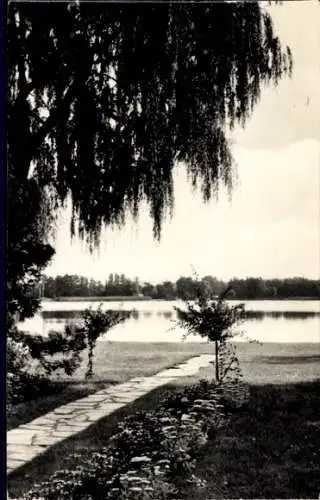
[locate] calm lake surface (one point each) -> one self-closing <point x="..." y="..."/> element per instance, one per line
<point x="154" y="320"/>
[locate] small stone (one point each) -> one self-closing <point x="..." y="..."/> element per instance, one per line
<point x="97" y="399"/>
<point x="62" y="434"/>
<point x="72" y="427"/>
<point x="63" y="410"/>
<point x="44" y="421"/>
<point x="124" y="399"/>
<point x="37" y="428"/>
<point x="107" y="408"/>
<point x="75" y="419"/>
<point x="82" y="406"/>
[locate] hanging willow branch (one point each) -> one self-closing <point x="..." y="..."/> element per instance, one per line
<point x="129" y="91"/>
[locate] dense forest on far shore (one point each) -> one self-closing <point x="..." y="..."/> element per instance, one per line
<point x="118" y="285"/>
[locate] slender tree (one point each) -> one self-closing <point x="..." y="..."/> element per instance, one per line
<point x="215" y="321"/>
<point x="104" y="99"/>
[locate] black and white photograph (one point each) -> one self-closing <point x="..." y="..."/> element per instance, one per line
<point x="162" y="250"/>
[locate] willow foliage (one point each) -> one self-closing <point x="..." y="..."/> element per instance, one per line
<point x="103" y="99"/>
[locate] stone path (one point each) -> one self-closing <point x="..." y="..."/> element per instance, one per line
<point x="29" y="440"/>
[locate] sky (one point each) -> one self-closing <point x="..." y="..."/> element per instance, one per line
<point x="271" y="226"/>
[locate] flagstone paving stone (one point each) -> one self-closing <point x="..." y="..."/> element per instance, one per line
<point x="62" y="434"/>
<point x="29" y="440"/>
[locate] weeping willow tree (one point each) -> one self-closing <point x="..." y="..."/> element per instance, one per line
<point x="104" y="99"/>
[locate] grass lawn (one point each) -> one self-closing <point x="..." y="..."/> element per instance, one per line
<point x="114" y="362"/>
<point x="272" y="363"/>
<point x="270" y="449"/>
<point x="117" y="362"/>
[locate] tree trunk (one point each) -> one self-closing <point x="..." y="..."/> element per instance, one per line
<point x="217" y="360"/>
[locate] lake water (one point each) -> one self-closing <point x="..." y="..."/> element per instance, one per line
<point x="154" y="321"/>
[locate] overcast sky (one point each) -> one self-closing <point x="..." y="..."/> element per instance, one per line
<point x="271" y="228"/>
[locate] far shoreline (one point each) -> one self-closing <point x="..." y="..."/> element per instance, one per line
<point x="138" y="298"/>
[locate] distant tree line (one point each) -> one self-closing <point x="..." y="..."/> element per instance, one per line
<point x="184" y="288"/>
<point x="79" y="286"/>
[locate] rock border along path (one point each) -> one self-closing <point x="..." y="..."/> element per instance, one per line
<point x="26" y="442"/>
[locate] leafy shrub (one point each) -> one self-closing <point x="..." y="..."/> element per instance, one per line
<point x="18" y="356"/>
<point x="59" y="350"/>
<point x="25" y="378"/>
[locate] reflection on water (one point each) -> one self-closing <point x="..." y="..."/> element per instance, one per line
<point x="135" y="314"/>
<point x="256" y="315"/>
<point x="260" y="315"/>
<point x="266" y="321"/>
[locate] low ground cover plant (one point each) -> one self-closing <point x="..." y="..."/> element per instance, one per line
<point x="152" y="455"/>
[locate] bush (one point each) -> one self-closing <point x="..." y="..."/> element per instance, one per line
<point x="18" y="356"/>
<point x="25" y="377"/>
<point x="28" y="367"/>
<point x="59" y="350"/>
